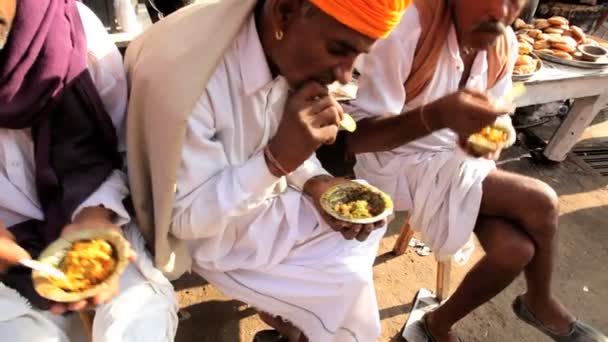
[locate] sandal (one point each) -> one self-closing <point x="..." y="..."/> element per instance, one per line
<point x="579" y="331"/>
<point x="425" y="328"/>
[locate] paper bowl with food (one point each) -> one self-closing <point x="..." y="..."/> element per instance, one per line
<point x="356" y="203"/>
<point x="91" y="260"/>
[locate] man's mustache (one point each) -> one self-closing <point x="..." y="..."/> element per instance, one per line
<point x="496" y="27"/>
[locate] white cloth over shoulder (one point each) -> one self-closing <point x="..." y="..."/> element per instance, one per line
<point x="253" y="235"/>
<point x="431" y="177"/>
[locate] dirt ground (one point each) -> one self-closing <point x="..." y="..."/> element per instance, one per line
<point x="581" y="276"/>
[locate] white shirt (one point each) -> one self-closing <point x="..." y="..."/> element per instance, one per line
<point x="18" y="198"/>
<point x="224" y="176"/>
<point x="386" y="68"/>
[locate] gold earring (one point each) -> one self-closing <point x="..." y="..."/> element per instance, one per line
<point x="278" y="34"/>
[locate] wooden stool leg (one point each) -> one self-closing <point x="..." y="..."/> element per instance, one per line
<point x="443" y="280"/>
<point x="86" y="317"/>
<point x="404" y="239"/>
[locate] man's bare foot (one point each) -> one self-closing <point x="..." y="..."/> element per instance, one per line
<point x="551" y="312"/>
<point x="437" y="332"/>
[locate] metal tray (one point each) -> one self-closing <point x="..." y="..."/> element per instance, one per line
<point x="578" y="64"/>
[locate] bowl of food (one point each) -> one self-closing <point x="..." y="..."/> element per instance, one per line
<point x="592" y="52"/>
<point x="357" y="203"/>
<point x="91" y="261"/>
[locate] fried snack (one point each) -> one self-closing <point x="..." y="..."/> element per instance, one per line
<point x="570" y="41"/>
<point x="525" y="38"/>
<point x="577" y="55"/>
<point x="547" y="51"/>
<point x="535" y="33"/>
<point x="556" y="39"/>
<point x="554" y="30"/>
<point x="524" y="59"/>
<point x="525" y="69"/>
<point x="541" y="24"/>
<point x="561" y="54"/>
<point x="525" y="48"/>
<point x="567" y="34"/>
<point x="87" y="264"/>
<point x="519" y="24"/>
<point x="577" y="33"/>
<point x="554" y="35"/>
<point x="541" y="44"/>
<point x="491" y="138"/>
<point x="557" y="20"/>
<point x="563" y="47"/>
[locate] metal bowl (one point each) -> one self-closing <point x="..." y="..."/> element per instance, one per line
<point x="55" y="252"/>
<point x="348" y="192"/>
<point x="591" y="52"/>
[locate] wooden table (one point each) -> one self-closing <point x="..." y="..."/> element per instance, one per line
<point x="555" y="82"/>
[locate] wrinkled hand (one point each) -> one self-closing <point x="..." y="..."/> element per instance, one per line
<point x="315" y="187"/>
<point x="465" y="112"/>
<point x="91" y="218"/>
<point x="10" y="251"/>
<point x="310" y="119"/>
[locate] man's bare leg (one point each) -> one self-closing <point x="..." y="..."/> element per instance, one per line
<point x="513" y="207"/>
<point x="508" y="251"/>
<point x="533" y="206"/>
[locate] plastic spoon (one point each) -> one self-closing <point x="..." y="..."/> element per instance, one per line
<point x="44" y="268"/>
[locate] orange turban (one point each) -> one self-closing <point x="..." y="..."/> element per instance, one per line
<point x="374" y="18"/>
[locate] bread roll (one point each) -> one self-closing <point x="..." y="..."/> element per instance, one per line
<point x="541" y="44"/>
<point x="519" y="24"/>
<point x="524" y="59"/>
<point x="563" y="47"/>
<point x="562" y="54"/>
<point x="570" y="41"/>
<point x="554" y="30"/>
<point x="564" y="27"/>
<point x="525" y="38"/>
<point x="541" y="24"/>
<point x="577" y="33"/>
<point x="556" y="39"/>
<point x="524" y="69"/>
<point x="557" y="20"/>
<point x="536" y="34"/>
<point x="525" y="48"/>
<point x="547" y="51"/>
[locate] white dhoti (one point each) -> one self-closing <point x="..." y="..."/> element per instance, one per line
<point x="283" y="259"/>
<point x="441" y="189"/>
<point x="144" y="310"/>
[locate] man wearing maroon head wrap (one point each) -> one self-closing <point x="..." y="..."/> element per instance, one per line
<point x="62" y="102"/>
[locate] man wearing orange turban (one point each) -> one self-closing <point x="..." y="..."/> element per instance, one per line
<point x="221" y="135"/>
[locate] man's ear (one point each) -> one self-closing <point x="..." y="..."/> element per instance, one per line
<point x="284" y="12"/>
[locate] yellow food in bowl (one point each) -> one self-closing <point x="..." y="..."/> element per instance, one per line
<point x="354" y="210"/>
<point x="86" y="264"/>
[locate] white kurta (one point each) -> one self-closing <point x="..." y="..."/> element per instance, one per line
<point x="432" y="177"/>
<point x="253" y="235"/>
<point x="141" y="285"/>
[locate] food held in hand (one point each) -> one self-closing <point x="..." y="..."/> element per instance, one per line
<point x="91" y="259"/>
<point x="348" y="123"/>
<point x="493" y="138"/>
<point x="356" y="202"/>
<point x="358" y="209"/>
<point x="87" y="264"/>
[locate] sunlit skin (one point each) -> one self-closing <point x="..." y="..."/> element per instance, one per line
<point x="8" y="8"/>
<point x="314" y="46"/>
